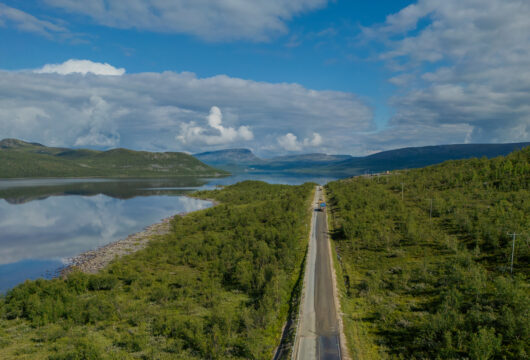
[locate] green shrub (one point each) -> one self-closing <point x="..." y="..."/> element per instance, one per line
<point x="102" y="282"/>
<point x="484" y="345"/>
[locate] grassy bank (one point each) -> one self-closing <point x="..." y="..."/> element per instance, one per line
<point x="218" y="286"/>
<point x="435" y="282"/>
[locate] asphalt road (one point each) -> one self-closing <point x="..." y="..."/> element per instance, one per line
<point x="318" y="332"/>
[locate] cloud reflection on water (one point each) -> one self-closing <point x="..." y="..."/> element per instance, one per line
<point x="38" y="236"/>
<point x="43" y="222"/>
<point x="62" y="227"/>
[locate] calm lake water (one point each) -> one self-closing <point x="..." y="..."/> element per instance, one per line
<point x="44" y="222"/>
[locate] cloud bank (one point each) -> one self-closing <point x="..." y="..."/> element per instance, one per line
<point x="169" y="111"/>
<point x="462" y="71"/>
<point x="213" y="20"/>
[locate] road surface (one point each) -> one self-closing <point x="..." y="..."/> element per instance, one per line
<point x="318" y="329"/>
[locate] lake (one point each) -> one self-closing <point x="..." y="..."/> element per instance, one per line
<point x="44" y="222"/>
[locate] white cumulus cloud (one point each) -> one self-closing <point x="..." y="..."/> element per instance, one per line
<point x="83" y="67"/>
<point x="315" y="141"/>
<point x="290" y="142"/>
<point x="193" y="134"/>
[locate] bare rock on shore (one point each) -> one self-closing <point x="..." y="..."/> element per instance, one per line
<point x="93" y="261"/>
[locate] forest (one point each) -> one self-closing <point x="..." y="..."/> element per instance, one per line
<point x="424" y="260"/>
<point x="218" y="286"/>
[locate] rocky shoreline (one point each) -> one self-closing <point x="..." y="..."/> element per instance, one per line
<point x="92" y="261"/>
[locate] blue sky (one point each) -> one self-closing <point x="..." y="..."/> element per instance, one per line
<point x="277" y="77"/>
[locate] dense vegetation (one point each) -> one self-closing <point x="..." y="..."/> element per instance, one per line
<point x="218" y="286"/>
<point x="19" y="159"/>
<point x="435" y="282"/>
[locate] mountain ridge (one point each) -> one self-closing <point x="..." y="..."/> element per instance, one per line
<point x="415" y="157"/>
<point x="347" y="165"/>
<point x="237" y="156"/>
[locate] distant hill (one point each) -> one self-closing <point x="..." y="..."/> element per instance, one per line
<point x="315" y="157"/>
<point x="20" y="159"/>
<point x="346" y="165"/>
<point x="230" y="157"/>
<point x="244" y="159"/>
<point x="303" y="161"/>
<point x="415" y="157"/>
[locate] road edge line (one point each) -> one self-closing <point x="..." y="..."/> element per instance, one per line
<point x="344" y="353"/>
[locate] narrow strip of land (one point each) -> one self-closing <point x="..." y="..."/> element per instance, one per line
<point x="318" y="332"/>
